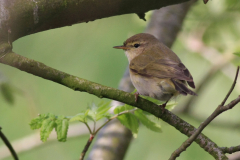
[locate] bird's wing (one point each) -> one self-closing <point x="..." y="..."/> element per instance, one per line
<point x="161" y="68"/>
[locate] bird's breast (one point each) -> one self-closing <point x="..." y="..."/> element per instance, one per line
<point x="160" y="89"/>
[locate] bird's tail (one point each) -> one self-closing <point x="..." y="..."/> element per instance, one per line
<point x="182" y="88"/>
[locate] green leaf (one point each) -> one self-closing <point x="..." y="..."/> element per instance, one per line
<point x="86" y="113"/>
<point x="135" y="90"/>
<point x="120" y="109"/>
<point x="47" y="127"/>
<point x="152" y="100"/>
<point x="82" y="117"/>
<point x="171" y="106"/>
<point x="36" y="123"/>
<point x="78" y="117"/>
<point x="130" y="121"/>
<point x="92" y="112"/>
<point x="91" y="115"/>
<point x="49" y="121"/>
<point x="147" y="122"/>
<point x="61" y="129"/>
<point x="99" y="111"/>
<point x="102" y="109"/>
<point x="106" y="115"/>
<point x="50" y="116"/>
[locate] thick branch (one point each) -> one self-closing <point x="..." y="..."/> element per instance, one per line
<point x="39" y="69"/>
<point x="24" y="17"/>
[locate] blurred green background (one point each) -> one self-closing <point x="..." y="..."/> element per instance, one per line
<point x="85" y="50"/>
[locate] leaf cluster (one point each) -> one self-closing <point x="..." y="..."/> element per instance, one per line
<point x="94" y="113"/>
<point x="47" y="122"/>
<point x="129" y="116"/>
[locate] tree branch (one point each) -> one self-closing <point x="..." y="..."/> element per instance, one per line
<point x="231" y="149"/>
<point x="8" y="144"/>
<point x="21" y="18"/>
<point x="78" y="84"/>
<point x="86" y="147"/>
<point x="231" y="89"/>
<point x="218" y="111"/>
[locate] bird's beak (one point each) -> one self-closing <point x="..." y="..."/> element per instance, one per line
<point x="121" y="47"/>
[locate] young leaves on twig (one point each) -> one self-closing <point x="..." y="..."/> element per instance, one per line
<point x="129" y="116"/>
<point x="47" y="122"/>
<point x="97" y="112"/>
<point x="82" y="117"/>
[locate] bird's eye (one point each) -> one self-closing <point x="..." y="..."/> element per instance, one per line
<point x="136" y="45"/>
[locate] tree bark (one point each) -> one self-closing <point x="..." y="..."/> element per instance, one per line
<point x="19" y="18"/>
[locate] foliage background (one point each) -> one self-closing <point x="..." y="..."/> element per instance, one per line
<point x="85" y="50"/>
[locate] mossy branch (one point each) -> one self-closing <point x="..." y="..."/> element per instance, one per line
<point x="78" y="84"/>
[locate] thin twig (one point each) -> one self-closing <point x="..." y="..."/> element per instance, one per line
<point x="8" y="144"/>
<point x="90" y="131"/>
<point x="230" y="150"/>
<point x="231" y="89"/>
<point x="217" y="111"/>
<point x="86" y="147"/>
<point x="92" y="135"/>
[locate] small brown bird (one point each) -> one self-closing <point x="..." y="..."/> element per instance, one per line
<point x="155" y="70"/>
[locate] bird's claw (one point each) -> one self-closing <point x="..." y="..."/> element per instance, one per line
<point x="163" y="107"/>
<point x="136" y="96"/>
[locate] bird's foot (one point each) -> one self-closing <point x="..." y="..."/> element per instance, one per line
<point x="163" y="107"/>
<point x="136" y="96"/>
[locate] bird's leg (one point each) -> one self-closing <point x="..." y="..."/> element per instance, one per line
<point x="164" y="105"/>
<point x="136" y="96"/>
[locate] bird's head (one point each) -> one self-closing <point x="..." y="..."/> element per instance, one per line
<point x="136" y="44"/>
